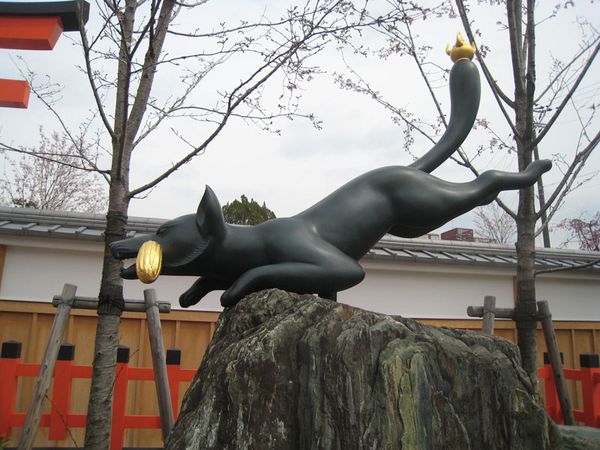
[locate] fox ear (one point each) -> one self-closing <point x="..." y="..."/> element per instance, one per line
<point x="209" y="216"/>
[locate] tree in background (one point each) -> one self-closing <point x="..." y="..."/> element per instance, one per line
<point x="146" y="63"/>
<point x="585" y="232"/>
<point x="493" y="224"/>
<point x="529" y="106"/>
<point x="60" y="177"/>
<point x="246" y="212"/>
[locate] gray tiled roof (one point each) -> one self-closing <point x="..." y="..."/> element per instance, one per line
<point x="474" y="253"/>
<point x="55" y="224"/>
<point x="65" y="225"/>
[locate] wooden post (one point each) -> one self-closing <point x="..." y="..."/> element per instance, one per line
<point x="489" y="312"/>
<point x="499" y="313"/>
<point x="552" y="403"/>
<point x="545" y="317"/>
<point x="161" y="378"/>
<point x="42" y="382"/>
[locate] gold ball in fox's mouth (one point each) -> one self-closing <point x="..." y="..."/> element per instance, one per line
<point x="148" y="262"/>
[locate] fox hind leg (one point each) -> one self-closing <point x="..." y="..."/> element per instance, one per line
<point x="497" y="181"/>
<point x="492" y="182"/>
<point x="440" y="201"/>
<point x="330" y="271"/>
<point x="486" y="187"/>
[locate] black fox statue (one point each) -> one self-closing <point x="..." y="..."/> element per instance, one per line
<point x="317" y="251"/>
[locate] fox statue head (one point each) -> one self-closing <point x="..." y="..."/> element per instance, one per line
<point x="182" y="240"/>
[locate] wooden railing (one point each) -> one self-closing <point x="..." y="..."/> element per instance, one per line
<point x="60" y="420"/>
<point x="588" y="377"/>
<point x="191" y="331"/>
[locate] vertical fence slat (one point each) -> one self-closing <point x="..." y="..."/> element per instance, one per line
<point x="589" y="364"/>
<point x="117" y="434"/>
<point x="10" y="357"/>
<point x="174" y="374"/>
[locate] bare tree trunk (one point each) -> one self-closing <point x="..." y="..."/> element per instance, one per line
<point x="127" y="122"/>
<point x="526" y="298"/>
<point x="110" y="306"/>
<point x="523" y="56"/>
<point x="521" y="31"/>
<point x="525" y="310"/>
<point x="110" y="298"/>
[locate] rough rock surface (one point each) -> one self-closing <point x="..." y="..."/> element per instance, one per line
<point x="286" y="371"/>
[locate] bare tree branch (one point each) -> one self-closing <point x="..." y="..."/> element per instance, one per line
<point x="233" y="103"/>
<point x="498" y="92"/>
<point x="147" y="77"/>
<point x="492" y="223"/>
<point x="51" y="179"/>
<point x="567" y="98"/>
<point x="564" y="186"/>
<point x="284" y="54"/>
<point x="566" y="67"/>
<point x="52" y="157"/>
<point x="90" y="75"/>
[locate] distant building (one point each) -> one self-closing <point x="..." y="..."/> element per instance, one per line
<point x="458" y="234"/>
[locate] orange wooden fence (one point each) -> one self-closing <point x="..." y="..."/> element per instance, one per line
<point x="588" y="377"/>
<point x="60" y="420"/>
<point x="191" y="331"/>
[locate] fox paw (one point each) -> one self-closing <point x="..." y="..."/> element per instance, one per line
<point x="188" y="299"/>
<point x="229" y="299"/>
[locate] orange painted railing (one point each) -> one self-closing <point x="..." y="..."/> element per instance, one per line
<point x="60" y="419"/>
<point x="589" y="377"/>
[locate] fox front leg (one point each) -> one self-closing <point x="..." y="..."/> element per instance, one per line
<point x="303" y="278"/>
<point x="200" y="288"/>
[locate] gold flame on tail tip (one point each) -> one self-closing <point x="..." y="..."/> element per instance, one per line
<point x="462" y="49"/>
<point x="148" y="262"/>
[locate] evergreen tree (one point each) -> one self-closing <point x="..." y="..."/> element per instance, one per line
<point x="246" y="212"/>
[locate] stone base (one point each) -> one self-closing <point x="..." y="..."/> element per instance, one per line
<point x="288" y="371"/>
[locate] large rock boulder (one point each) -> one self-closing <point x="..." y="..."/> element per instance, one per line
<point x="287" y="371"/>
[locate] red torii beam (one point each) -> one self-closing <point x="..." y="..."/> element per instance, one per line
<point x="35" y="26"/>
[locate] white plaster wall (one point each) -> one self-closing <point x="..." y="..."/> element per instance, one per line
<point x="422" y="291"/>
<point x="571" y="297"/>
<point x="35" y="269"/>
<point x="37" y="274"/>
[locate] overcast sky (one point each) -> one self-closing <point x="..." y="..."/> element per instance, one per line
<point x="293" y="170"/>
